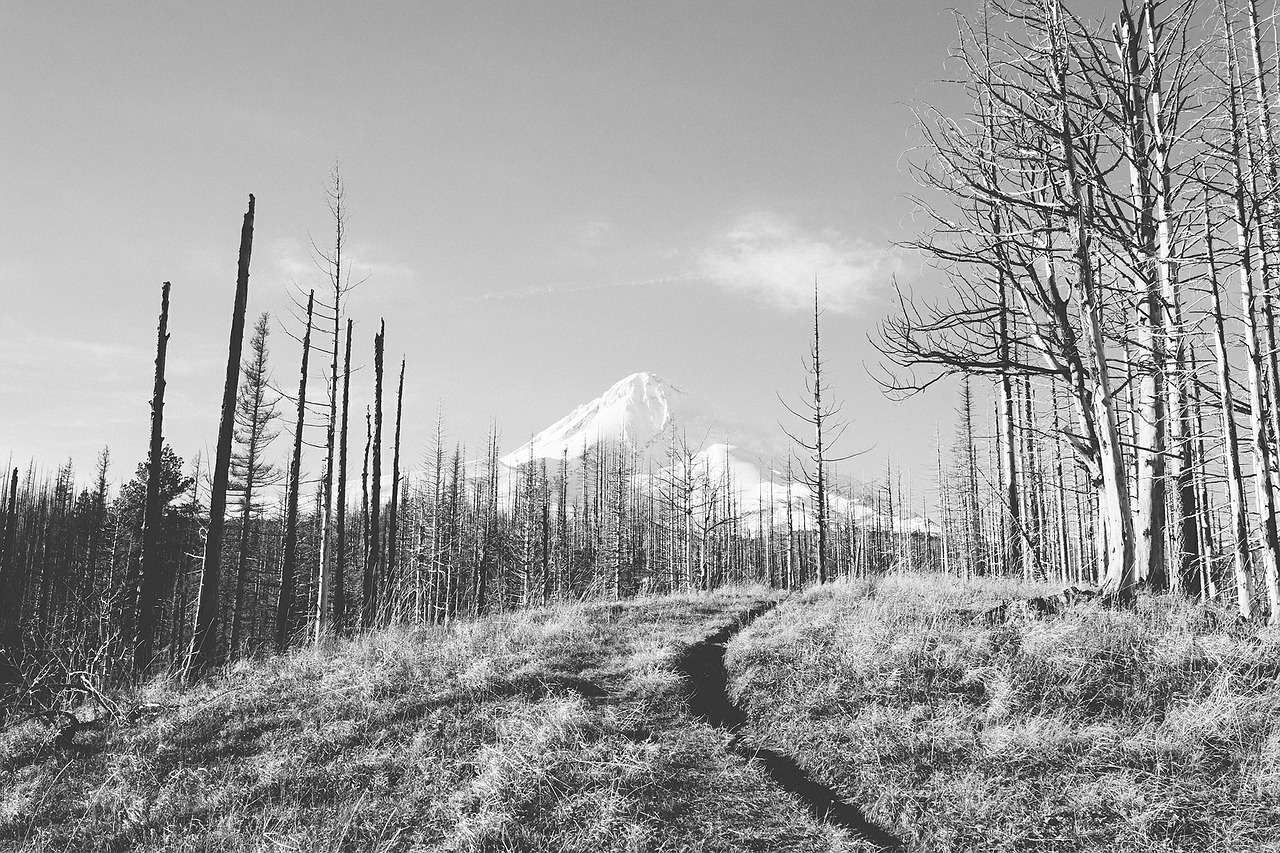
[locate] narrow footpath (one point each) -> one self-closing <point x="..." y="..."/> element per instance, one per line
<point x="703" y="670"/>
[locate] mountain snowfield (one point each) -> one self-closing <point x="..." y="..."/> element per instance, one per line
<point x="678" y="436"/>
<point x="650" y="414"/>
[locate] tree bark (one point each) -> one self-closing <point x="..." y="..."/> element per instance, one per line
<point x="339" y="572"/>
<point x="288" y="564"/>
<point x="393" y="512"/>
<point x="373" y="560"/>
<point x="1256" y="359"/>
<point x="148" y="592"/>
<point x="204" y="636"/>
<point x="1235" y="478"/>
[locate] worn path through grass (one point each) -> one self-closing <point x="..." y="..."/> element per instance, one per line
<point x="1154" y="729"/>
<point x="703" y="668"/>
<point x="562" y="729"/>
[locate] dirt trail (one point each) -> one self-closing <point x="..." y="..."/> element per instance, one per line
<point x="702" y="667"/>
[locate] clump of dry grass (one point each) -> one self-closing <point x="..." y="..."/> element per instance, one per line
<point x="558" y="729"/>
<point x="1156" y="728"/>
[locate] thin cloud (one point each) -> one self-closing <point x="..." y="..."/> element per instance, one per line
<point x="773" y="259"/>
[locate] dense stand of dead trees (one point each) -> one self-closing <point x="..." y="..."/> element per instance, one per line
<point x="1110" y="191"/>
<point x="470" y="539"/>
<point x="1107" y="215"/>
<point x="182" y="572"/>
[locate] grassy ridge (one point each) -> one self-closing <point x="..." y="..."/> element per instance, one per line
<point x="559" y="729"/>
<point x="1095" y="730"/>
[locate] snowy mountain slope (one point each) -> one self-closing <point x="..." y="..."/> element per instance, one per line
<point x="647" y="413"/>
<point x="684" y="442"/>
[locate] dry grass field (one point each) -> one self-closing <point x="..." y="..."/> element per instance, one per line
<point x="1156" y="729"/>
<point x="557" y="729"/>
<point x="907" y="702"/>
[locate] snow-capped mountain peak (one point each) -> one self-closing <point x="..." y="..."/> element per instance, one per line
<point x="635" y="411"/>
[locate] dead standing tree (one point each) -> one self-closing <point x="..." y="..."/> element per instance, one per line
<point x="373" y="556"/>
<point x="823" y="417"/>
<point x="288" y="563"/>
<point x="393" y="511"/>
<point x="1029" y="208"/>
<point x="337" y="270"/>
<point x="204" y="637"/>
<point x="339" y="592"/>
<point x="150" y="569"/>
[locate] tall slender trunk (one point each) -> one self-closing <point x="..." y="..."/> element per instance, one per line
<point x="373" y="559"/>
<point x="288" y="562"/>
<point x="1256" y="361"/>
<point x="1235" y="478"/>
<point x="1181" y="461"/>
<point x="324" y="578"/>
<point x="393" y="512"/>
<point x="1150" y="408"/>
<point x="819" y="452"/>
<point x="1204" y="511"/>
<point x="150" y="568"/>
<point x="1266" y="215"/>
<point x="339" y="591"/>
<point x="204" y="636"/>
<point x="366" y="569"/>
<point x="1010" y="489"/>
<point x="1115" y="511"/>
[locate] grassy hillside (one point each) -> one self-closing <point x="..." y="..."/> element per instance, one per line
<point x="907" y="707"/>
<point x="1093" y="730"/>
<point x="561" y="729"/>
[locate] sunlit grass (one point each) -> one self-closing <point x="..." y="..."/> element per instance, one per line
<point x="555" y="729"/>
<point x="1152" y="729"/>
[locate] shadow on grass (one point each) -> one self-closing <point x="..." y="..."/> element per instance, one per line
<point x="703" y="670"/>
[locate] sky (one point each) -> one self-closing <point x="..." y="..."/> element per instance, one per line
<point x="543" y="198"/>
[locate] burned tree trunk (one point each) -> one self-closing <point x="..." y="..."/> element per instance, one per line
<point x="373" y="557"/>
<point x="288" y="563"/>
<point x="1235" y="480"/>
<point x="339" y="571"/>
<point x="393" y="513"/>
<point x="149" y="573"/>
<point x="205" y="634"/>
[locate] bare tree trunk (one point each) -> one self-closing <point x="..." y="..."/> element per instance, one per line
<point x="393" y="513"/>
<point x="372" y="569"/>
<point x="339" y="592"/>
<point x="204" y="636"/>
<point x="1150" y="408"/>
<point x="820" y="460"/>
<point x="1258" y="403"/>
<point x="148" y="592"/>
<point x="288" y="564"/>
<point x="1265" y="213"/>
<point x="1011" y="517"/>
<point x="1204" y="512"/>
<point x="1235" y="477"/>
<point x="1115" y="511"/>
<point x="366" y="568"/>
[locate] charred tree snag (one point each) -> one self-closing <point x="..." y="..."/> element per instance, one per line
<point x="204" y="637"/>
<point x="149" y="573"/>
<point x="339" y="592"/>
<point x="374" y="555"/>
<point x="393" y="512"/>
<point x="288" y="563"/>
